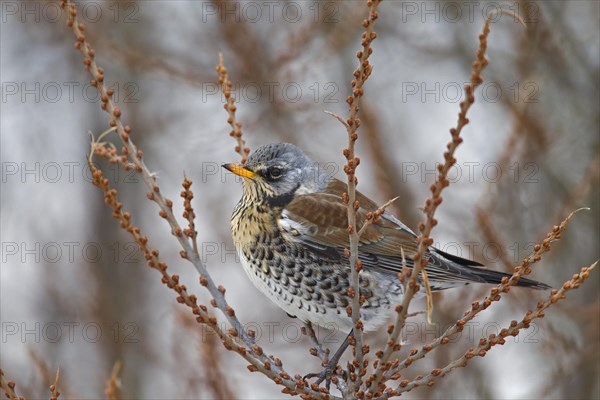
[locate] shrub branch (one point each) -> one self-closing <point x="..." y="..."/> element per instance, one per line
<point x="242" y="341"/>
<point x="230" y="107"/>
<point x="361" y="74"/>
<point x="236" y="338"/>
<point x="485" y="344"/>
<point x="9" y="387"/>
<point x="424" y="241"/>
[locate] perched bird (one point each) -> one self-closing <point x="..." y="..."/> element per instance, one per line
<point x="290" y="230"/>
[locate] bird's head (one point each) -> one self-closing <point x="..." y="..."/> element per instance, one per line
<point x="275" y="172"/>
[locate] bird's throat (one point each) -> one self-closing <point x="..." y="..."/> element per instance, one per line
<point x="252" y="220"/>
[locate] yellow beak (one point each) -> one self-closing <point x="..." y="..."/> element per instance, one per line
<point x="240" y="170"/>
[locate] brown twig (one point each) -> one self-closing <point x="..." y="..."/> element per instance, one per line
<point x="9" y="387"/>
<point x="46" y="373"/>
<point x="112" y="391"/>
<point x="323" y="354"/>
<point x="361" y="74"/>
<point x="485" y="344"/>
<point x="478" y="306"/>
<point x="232" y="340"/>
<point x="212" y="375"/>
<point x="230" y="107"/>
<point x="431" y="204"/>
<point x="156" y="64"/>
<point x="54" y="387"/>
<point x="375" y="216"/>
<point x="247" y="50"/>
<point x="189" y="213"/>
<point x="216" y="378"/>
<point x="237" y="338"/>
<point x="131" y="152"/>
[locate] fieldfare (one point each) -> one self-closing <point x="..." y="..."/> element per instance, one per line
<point x="290" y="231"/>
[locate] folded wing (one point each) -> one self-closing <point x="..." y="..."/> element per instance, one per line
<point x="319" y="221"/>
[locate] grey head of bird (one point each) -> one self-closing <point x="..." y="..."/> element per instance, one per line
<point x="274" y="173"/>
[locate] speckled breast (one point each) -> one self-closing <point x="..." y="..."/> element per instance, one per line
<point x="297" y="280"/>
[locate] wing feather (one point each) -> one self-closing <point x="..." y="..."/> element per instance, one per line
<point x="319" y="221"/>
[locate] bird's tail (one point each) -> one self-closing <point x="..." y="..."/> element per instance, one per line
<point x="495" y="277"/>
<point x="470" y="271"/>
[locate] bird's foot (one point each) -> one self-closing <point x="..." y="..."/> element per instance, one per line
<point x="328" y="374"/>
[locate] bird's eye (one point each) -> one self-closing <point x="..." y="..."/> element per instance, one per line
<point x="275" y="172"/>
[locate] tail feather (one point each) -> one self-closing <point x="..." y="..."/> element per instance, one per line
<point x="465" y="271"/>
<point x="495" y="277"/>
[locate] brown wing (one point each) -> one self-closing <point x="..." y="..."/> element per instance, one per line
<point x="319" y="221"/>
<point x="322" y="219"/>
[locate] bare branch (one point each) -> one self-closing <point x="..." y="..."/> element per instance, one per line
<point x="189" y="213"/>
<point x="361" y="74"/>
<point x="54" y="387"/>
<point x="431" y="204"/>
<point x="230" y="107"/>
<point x="237" y="339"/>
<point x="373" y="217"/>
<point x="485" y="344"/>
<point x="495" y="295"/>
<point x="321" y="353"/>
<point x="113" y="383"/>
<point x="334" y="115"/>
<point x="9" y="387"/>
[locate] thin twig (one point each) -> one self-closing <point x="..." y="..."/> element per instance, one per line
<point x="487" y="228"/>
<point x="590" y="180"/>
<point x="112" y="391"/>
<point x="9" y="387"/>
<point x="230" y="107"/>
<point x="245" y="344"/>
<point x="131" y="151"/>
<point x="334" y="115"/>
<point x="424" y="241"/>
<point x="189" y="213"/>
<point x="485" y="344"/>
<point x="524" y="268"/>
<point x="54" y="387"/>
<point x="318" y="350"/>
<point x="361" y="74"/>
<point x="46" y="373"/>
<point x="322" y="353"/>
<point x="374" y="217"/>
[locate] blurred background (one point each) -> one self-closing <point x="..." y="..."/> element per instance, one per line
<point x="75" y="291"/>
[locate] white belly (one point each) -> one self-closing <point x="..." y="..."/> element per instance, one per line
<point x="329" y="318"/>
<point x="325" y="317"/>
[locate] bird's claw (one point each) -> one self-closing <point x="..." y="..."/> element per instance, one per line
<point x="325" y="375"/>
